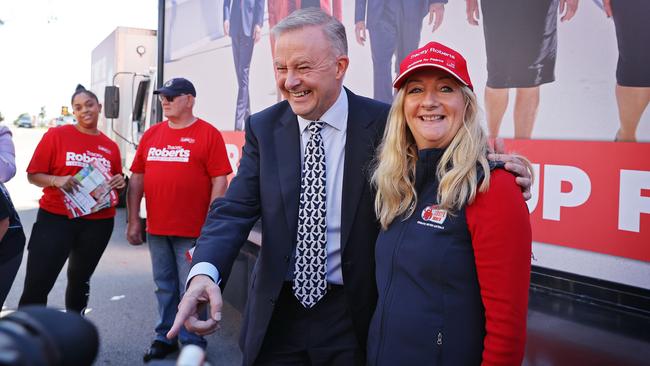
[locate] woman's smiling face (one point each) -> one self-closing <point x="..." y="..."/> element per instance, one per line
<point x="86" y="110"/>
<point x="433" y="107"/>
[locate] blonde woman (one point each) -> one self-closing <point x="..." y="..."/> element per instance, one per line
<point x="453" y="255"/>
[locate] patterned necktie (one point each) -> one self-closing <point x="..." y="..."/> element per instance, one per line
<point x="310" y="284"/>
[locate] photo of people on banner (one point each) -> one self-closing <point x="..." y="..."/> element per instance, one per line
<point x="546" y="69"/>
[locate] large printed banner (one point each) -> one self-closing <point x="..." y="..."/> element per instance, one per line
<point x="590" y="195"/>
<point x="593" y="196"/>
<point x="571" y="82"/>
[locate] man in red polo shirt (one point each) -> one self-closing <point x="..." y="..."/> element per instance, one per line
<point x="181" y="167"/>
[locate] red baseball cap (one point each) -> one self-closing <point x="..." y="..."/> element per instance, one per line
<point x="434" y="54"/>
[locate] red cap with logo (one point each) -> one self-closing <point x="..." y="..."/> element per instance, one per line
<point x="434" y="54"/>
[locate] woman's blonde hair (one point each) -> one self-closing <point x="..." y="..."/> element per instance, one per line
<point x="394" y="174"/>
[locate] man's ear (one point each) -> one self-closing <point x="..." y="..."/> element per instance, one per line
<point x="342" y="63"/>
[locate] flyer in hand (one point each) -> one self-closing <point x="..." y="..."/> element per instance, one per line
<point x="94" y="193"/>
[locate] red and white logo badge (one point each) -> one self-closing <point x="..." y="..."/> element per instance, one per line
<point x="433" y="214"/>
<point x="104" y="149"/>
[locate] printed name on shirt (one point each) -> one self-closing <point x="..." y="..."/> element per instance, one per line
<point x="74" y="159"/>
<point x="104" y="149"/>
<point x="169" y="154"/>
<point x="433" y="217"/>
<point x="189" y="140"/>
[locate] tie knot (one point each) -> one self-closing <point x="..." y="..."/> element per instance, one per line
<point x="315" y="127"/>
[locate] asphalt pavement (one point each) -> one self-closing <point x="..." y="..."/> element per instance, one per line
<point x="122" y="302"/>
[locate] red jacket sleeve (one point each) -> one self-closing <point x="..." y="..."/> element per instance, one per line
<point x="499" y="224"/>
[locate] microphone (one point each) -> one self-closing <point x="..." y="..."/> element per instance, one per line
<point x="40" y="336"/>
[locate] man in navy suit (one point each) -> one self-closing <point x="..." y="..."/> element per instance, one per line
<point x="395" y="27"/>
<point x="311" y="61"/>
<point x="242" y="21"/>
<point x="277" y="329"/>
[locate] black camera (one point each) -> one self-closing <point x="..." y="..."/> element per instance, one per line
<point x="40" y="336"/>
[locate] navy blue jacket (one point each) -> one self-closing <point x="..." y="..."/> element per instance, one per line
<point x="430" y="309"/>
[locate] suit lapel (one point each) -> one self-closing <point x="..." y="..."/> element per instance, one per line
<point x="359" y="146"/>
<point x="287" y="147"/>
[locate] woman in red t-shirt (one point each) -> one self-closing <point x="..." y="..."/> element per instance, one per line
<point x="63" y="152"/>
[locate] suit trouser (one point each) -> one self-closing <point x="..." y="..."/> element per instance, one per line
<point x="392" y="35"/>
<point x="242" y="53"/>
<point x="323" y="335"/>
<point x="55" y="239"/>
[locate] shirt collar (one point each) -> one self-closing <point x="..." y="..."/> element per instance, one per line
<point x="336" y="116"/>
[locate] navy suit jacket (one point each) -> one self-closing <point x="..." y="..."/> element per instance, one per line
<point x="267" y="185"/>
<point x="414" y="10"/>
<point x="243" y="19"/>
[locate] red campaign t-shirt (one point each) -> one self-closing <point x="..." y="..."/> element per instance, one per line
<point x="64" y="150"/>
<point x="178" y="165"/>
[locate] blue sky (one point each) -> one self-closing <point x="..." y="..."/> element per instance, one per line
<point x="46" y="47"/>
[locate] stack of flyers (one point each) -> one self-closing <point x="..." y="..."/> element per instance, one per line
<point x="94" y="192"/>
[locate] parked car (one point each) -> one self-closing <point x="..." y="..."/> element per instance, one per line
<point x="25" y="121"/>
<point x="69" y="120"/>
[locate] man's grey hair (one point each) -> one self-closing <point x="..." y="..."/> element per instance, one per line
<point x="309" y="17"/>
